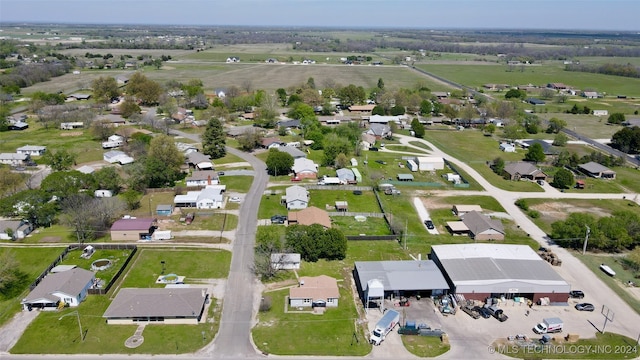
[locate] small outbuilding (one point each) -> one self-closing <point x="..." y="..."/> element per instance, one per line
<point x="164" y="209"/>
<point x="133" y="229"/>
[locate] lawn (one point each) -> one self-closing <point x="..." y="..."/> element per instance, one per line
<point x="357" y="203"/>
<point x="333" y="334"/>
<point x="117" y="257"/>
<point x="270" y="205"/>
<point x="31" y="263"/>
<point x="63" y="335"/>
<point x="237" y="183"/>
<point x="193" y="264"/>
<point x="53" y="233"/>
<point x="349" y="225"/>
<point x="425" y="346"/>
<point x="604" y="346"/>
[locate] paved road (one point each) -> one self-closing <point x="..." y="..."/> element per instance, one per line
<point x="234" y="337"/>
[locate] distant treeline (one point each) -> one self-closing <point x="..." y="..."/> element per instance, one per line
<point x="28" y="74"/>
<point x="626" y="70"/>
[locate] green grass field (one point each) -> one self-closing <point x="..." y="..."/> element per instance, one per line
<point x="117" y="257"/>
<point x="349" y="226"/>
<point x="357" y="203"/>
<point x="477" y="75"/>
<point x="425" y="346"/>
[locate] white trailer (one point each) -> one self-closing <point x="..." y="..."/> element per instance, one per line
<point x="330" y="180"/>
<point x="412" y="165"/>
<point x="384" y="326"/>
<point x="162" y="235"/>
<point x="549" y="325"/>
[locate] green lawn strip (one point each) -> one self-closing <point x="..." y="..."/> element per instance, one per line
<point x="487" y="203"/>
<point x="476" y="75"/>
<point x="604" y="346"/>
<point x="371" y="226"/>
<point x="270" y="205"/>
<point x="617" y="283"/>
<point x="54" y="233"/>
<point x="192" y="264"/>
<point x="420" y="144"/>
<point x="64" y="335"/>
<point x="424" y="346"/>
<point x="332" y="334"/>
<point x="404" y="148"/>
<point x="228" y="159"/>
<point x="237" y="183"/>
<point x="628" y="178"/>
<point x="31" y="263"/>
<point x="357" y="203"/>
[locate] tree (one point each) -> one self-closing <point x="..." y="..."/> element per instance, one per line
<point x="627" y="140"/>
<point x="351" y="95"/>
<point x="378" y="110"/>
<point x="555" y="125"/>
<point x="616" y="118"/>
<point x="334" y="145"/>
<point x="213" y="139"/>
<point x="513" y="131"/>
<point x="311" y="83"/>
<point x="108" y="179"/>
<point x="12" y="279"/>
<point x="163" y="162"/>
<point x="515" y="94"/>
<point x="532" y="124"/>
<point x="282" y="96"/>
<point x="341" y="161"/>
<point x="397" y="110"/>
<point x="498" y="166"/>
<point x="105" y="89"/>
<point x="131" y="199"/>
<point x="560" y="139"/>
<point x="59" y="160"/>
<point x="9" y="182"/>
<point x="101" y="129"/>
<point x="425" y="108"/>
<point x="570" y="233"/>
<point x="315" y="242"/>
<point x="535" y="153"/>
<point x="145" y="90"/>
<point x="66" y="183"/>
<point x="129" y="107"/>
<point x="417" y="128"/>
<point x="449" y="111"/>
<point x="380" y="84"/>
<point x="489" y="129"/>
<point x="90" y="217"/>
<point x="563" y="179"/>
<point x="250" y="140"/>
<point x="279" y="162"/>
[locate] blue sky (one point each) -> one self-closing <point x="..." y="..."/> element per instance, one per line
<point x="428" y="14"/>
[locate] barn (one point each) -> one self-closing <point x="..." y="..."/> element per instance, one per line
<point x="478" y="271"/>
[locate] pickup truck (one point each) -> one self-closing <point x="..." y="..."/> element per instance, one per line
<point x="497" y="313"/>
<point x="469" y="309"/>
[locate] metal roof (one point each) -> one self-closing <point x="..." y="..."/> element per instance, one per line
<point x="404" y="275"/>
<point x="594" y="168"/>
<point x="133" y="224"/>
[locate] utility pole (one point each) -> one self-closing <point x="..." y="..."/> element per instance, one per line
<point x="586" y="239"/>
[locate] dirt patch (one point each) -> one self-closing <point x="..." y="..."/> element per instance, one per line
<point x="560" y="211"/>
<point x="51" y="239"/>
<point x="74" y="133"/>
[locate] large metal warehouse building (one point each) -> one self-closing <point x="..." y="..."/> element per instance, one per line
<point x="478" y="271"/>
<point x="403" y="277"/>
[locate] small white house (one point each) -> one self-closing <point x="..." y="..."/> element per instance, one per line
<point x="113" y="141"/>
<point x="507" y="147"/>
<point x="71" y="125"/>
<point x="354" y="162"/>
<point x="297" y="197"/>
<point x="601" y="112"/>
<point x="116" y="156"/>
<point x="32" y="150"/>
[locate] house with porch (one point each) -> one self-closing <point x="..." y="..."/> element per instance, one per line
<point x="523" y="170"/>
<point x="202" y="178"/>
<point x="69" y="287"/>
<point x="32" y="150"/>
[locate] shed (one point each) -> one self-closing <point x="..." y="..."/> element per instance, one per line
<point x="430" y="163"/>
<point x="357" y="175"/>
<point x="342" y="206"/>
<point x="405" y="177"/>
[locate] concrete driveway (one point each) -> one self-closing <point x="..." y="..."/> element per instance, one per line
<point x="423" y="213"/>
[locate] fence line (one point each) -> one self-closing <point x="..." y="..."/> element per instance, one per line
<point x="371" y="237"/>
<point x="349" y="213"/>
<point x="337" y="187"/>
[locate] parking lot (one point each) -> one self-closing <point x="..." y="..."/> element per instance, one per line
<point x="471" y="337"/>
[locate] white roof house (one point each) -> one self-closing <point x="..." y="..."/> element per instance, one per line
<point x="117" y="156"/>
<point x="381" y="119"/>
<point x="33" y="150"/>
<point x="69" y="286"/>
<point x="345" y="175"/>
<point x="297" y="197"/>
<point x="430" y="163"/>
<point x="14" y="158"/>
<point x="304" y="166"/>
<point x="208" y="198"/>
<point x="507" y="147"/>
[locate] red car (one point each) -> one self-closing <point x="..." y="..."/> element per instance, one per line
<point x="295" y="178"/>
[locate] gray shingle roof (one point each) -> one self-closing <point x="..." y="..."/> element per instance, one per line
<point x="69" y="282"/>
<point x="155" y="302"/>
<point x="295" y="153"/>
<point x="296" y="193"/>
<point x="594" y="168"/>
<point x="478" y="223"/>
<point x="521" y="167"/>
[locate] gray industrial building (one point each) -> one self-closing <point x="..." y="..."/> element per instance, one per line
<point x="478" y="271"/>
<point x="405" y="277"/>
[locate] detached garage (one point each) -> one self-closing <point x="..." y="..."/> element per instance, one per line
<point x="478" y="271"/>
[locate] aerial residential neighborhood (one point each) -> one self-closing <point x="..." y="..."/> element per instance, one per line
<point x="240" y="193"/>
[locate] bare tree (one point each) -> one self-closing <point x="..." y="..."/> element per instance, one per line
<point x="247" y="86"/>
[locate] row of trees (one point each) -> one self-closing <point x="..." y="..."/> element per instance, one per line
<point x="615" y="233"/>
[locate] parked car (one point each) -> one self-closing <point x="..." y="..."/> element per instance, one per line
<point x="278" y="219"/>
<point x="585" y="307"/>
<point x="429" y="224"/>
<point x="373" y="148"/>
<point x="220" y="173"/>
<point x="540" y="182"/>
<point x="295" y="178"/>
<point x="576" y="294"/>
<point x="381" y="162"/>
<point x="234" y="199"/>
<point x="357" y="192"/>
<point x="483" y="312"/>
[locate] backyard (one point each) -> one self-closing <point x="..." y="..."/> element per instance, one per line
<point x="100" y="338"/>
